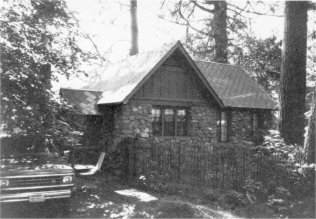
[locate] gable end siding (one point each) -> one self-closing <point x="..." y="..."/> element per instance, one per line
<point x="174" y="81"/>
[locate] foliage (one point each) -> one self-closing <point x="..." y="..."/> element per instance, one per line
<point x="310" y="62"/>
<point x="283" y="179"/>
<point x="278" y="162"/>
<point x="208" y="27"/>
<point x="255" y="191"/>
<point x="200" y="19"/>
<point x="233" y="199"/>
<point x="262" y="60"/>
<point x="280" y="201"/>
<point x="38" y="43"/>
<point x="118" y="159"/>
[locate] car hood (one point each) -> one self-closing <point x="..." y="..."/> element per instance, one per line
<point x="33" y="165"/>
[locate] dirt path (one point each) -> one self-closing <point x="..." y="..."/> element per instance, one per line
<point x="99" y="197"/>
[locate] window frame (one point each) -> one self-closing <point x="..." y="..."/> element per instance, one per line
<point x="259" y="122"/>
<point x="220" y="126"/>
<point x="159" y="122"/>
<point x="175" y="113"/>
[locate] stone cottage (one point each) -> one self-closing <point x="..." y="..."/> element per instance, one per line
<point x="164" y="94"/>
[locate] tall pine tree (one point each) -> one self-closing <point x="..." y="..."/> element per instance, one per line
<point x="134" y="28"/>
<point x="293" y="76"/>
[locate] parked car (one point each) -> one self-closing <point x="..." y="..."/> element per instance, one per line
<point x="34" y="177"/>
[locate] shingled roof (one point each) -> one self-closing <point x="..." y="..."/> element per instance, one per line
<point x="234" y="86"/>
<point x="230" y="85"/>
<point x="83" y="101"/>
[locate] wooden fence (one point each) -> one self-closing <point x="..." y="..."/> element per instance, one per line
<point x="222" y="167"/>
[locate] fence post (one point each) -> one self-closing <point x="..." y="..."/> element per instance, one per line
<point x="196" y="166"/>
<point x="223" y="169"/>
<point x="179" y="162"/>
<point x="130" y="160"/>
<point x="220" y="167"/>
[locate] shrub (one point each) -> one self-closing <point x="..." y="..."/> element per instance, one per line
<point x="256" y="191"/>
<point x="234" y="199"/>
<point x="283" y="177"/>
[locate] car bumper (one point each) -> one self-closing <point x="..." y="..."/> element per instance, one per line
<point x="25" y="196"/>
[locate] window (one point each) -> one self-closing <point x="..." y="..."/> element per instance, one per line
<point x="156" y="113"/>
<point x="255" y="123"/>
<point x="169" y="121"/>
<point x="181" y="122"/>
<point x="223" y="126"/>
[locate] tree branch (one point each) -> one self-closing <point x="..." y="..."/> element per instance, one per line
<point x="88" y="37"/>
<point x="311" y="5"/>
<point x="186" y="20"/>
<point x="187" y="23"/>
<point x="203" y="8"/>
<point x="254" y="12"/>
<point x="237" y="13"/>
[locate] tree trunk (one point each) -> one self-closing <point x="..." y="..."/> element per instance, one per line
<point x="310" y="141"/>
<point x="134" y="28"/>
<point x="293" y="77"/>
<point x="219" y="29"/>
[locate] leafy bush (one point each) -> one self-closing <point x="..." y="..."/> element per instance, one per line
<point x="118" y="159"/>
<point x="282" y="176"/>
<point x="234" y="199"/>
<point x="256" y="192"/>
<point x="280" y="201"/>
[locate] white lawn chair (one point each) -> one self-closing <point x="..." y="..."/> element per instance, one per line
<point x="90" y="168"/>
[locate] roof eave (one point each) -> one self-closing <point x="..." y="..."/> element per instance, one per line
<point x="250" y="107"/>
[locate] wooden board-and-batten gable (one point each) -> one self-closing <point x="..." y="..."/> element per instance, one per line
<point x="175" y="79"/>
<point x="174" y="83"/>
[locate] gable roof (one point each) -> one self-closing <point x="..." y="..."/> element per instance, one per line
<point x="234" y="86"/>
<point x="229" y="85"/>
<point x="131" y="73"/>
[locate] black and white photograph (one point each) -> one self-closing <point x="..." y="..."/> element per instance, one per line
<point x="157" y="109"/>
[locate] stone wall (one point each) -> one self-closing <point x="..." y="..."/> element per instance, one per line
<point x="131" y="120"/>
<point x="240" y="127"/>
<point x="135" y="119"/>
